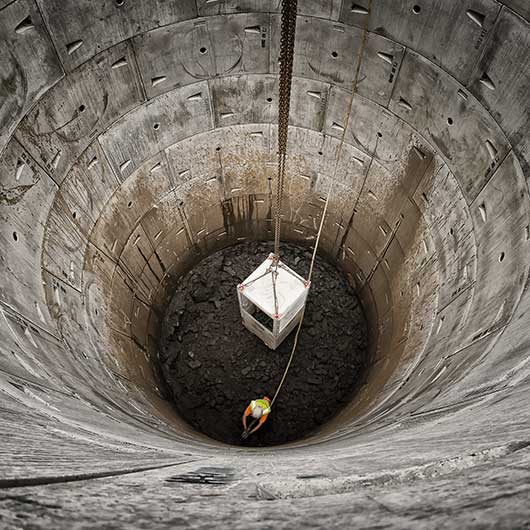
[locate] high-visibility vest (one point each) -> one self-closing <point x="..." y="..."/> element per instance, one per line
<point x="263" y="403"/>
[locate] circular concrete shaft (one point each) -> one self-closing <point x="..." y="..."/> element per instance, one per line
<point x="138" y="137"/>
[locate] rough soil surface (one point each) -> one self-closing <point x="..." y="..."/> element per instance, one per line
<point x="214" y="366"/>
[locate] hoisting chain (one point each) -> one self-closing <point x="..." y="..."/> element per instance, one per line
<point x="288" y="27"/>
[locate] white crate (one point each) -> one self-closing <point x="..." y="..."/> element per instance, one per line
<point x="272" y="318"/>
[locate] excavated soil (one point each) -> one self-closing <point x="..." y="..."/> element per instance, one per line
<point x="213" y="366"/>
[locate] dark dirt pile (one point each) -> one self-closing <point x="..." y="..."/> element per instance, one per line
<point x="213" y="366"/>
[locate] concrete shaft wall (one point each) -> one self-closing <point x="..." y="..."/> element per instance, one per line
<point x="137" y="137"/>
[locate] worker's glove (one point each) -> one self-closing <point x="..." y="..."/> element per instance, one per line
<point x="245" y="435"/>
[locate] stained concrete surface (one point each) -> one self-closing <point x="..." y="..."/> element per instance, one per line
<point x="214" y="366"/>
<point x="135" y="140"/>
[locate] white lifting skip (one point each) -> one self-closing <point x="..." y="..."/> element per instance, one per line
<point x="272" y="301"/>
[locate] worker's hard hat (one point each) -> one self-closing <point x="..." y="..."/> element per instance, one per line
<point x="257" y="412"/>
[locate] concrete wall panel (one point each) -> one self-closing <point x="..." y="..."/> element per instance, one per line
<point x="137" y="196"/>
<point x="29" y="64"/>
<point x="20" y="345"/>
<point x="98" y="272"/>
<point x="141" y="318"/>
<point x="183" y="163"/>
<point x="162" y="121"/>
<point x="181" y="54"/>
<point x="202" y="209"/>
<point x="244" y="99"/>
<point x="329" y="51"/>
<point x="451" y="119"/>
<point x="134" y="259"/>
<point x="450" y="324"/>
<point x="308" y="103"/>
<point x="452" y="34"/>
<point x="320" y="8"/>
<point x="313" y="158"/>
<point x="441" y="202"/>
<point x="82" y="355"/>
<point x="323" y="50"/>
<point x="161" y="219"/>
<point x="229" y="157"/>
<point x="501" y="81"/>
<point x="458" y="367"/>
<point x="206" y="7"/>
<point x="507" y="363"/>
<point x="140" y="192"/>
<point x="64" y="245"/>
<point x="379" y="69"/>
<point x="372" y="129"/>
<point x="500" y="240"/>
<point x="58" y="129"/>
<point x="26" y="195"/>
<point x="87" y="188"/>
<point x="365" y="257"/>
<point x="173" y="247"/>
<point x="121" y="301"/>
<point x="380" y="285"/>
<point x="98" y="25"/>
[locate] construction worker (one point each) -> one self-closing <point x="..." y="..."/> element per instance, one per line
<point x="259" y="409"/>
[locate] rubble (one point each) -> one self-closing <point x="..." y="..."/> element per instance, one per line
<point x="215" y="362"/>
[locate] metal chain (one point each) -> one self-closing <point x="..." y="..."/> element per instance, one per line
<point x="288" y="27"/>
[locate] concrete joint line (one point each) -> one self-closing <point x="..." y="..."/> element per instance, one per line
<point x="41" y="481"/>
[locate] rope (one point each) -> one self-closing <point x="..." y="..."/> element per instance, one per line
<point x="274" y="274"/>
<point x="299" y="327"/>
<point x="330" y="189"/>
